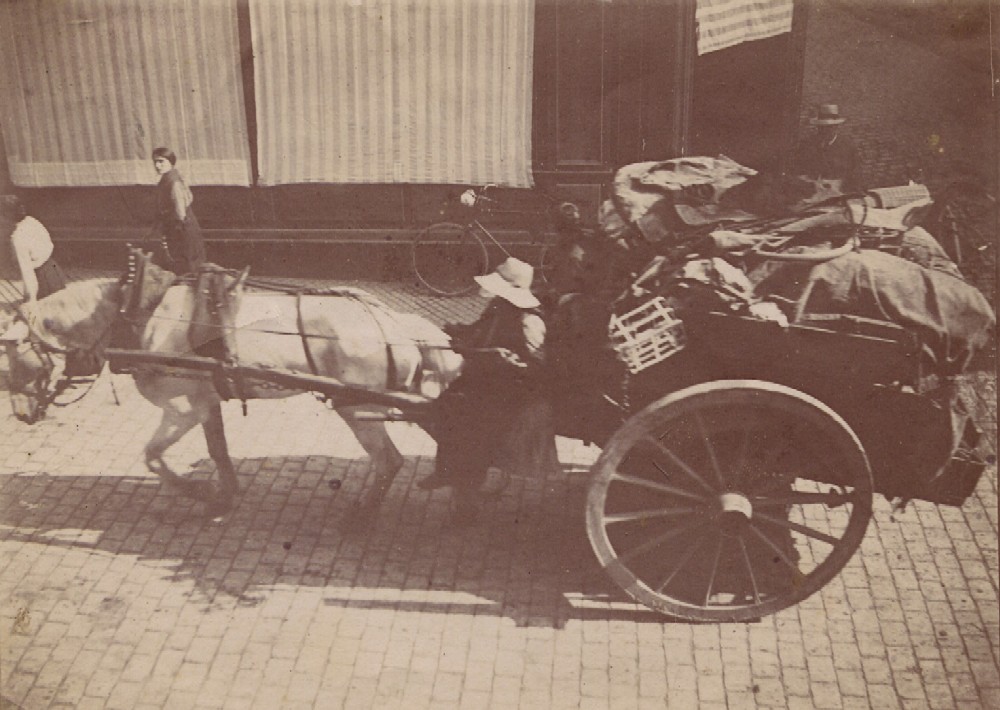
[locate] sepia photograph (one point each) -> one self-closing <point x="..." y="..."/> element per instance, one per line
<point x="499" y="354"/>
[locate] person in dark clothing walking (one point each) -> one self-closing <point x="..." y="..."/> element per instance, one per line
<point x="175" y="220"/>
<point x="827" y="155"/>
<point x="504" y="366"/>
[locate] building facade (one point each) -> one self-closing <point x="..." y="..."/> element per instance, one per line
<point x="311" y="121"/>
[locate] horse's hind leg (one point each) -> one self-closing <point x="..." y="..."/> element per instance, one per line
<point x="385" y="457"/>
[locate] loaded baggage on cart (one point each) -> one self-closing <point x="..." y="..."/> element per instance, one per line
<point x="775" y="374"/>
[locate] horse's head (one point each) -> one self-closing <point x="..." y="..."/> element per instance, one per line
<point x="29" y="376"/>
<point x="76" y="317"/>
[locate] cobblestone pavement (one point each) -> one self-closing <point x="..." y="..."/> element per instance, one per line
<point x="116" y="593"/>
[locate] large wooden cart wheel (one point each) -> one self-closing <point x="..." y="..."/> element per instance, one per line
<point x="728" y="501"/>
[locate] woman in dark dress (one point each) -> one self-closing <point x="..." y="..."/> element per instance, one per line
<point x="175" y="220"/>
<point x="32" y="248"/>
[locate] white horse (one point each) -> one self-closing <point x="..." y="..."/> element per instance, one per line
<point x="347" y="335"/>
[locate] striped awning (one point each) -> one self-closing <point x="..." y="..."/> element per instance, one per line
<point x="724" y="23"/>
<point x="393" y="91"/>
<point x="91" y="87"/>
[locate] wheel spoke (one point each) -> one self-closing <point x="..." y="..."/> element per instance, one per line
<point x="647" y="514"/>
<point x="659" y="540"/>
<point x="691" y="473"/>
<point x="680" y="563"/>
<point x="711" y="451"/>
<point x="715" y="568"/>
<point x="653" y="485"/>
<point x="829" y="499"/>
<point x="753" y="577"/>
<point x="741" y="457"/>
<point x="789" y="525"/>
<point x="782" y="555"/>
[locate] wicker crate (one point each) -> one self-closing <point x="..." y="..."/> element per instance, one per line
<point x="888" y="198"/>
<point x="646" y="335"/>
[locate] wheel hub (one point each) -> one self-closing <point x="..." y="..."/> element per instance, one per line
<point x="736" y="511"/>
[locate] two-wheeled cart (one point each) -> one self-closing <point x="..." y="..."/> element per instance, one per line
<point x="740" y="477"/>
<point x="744" y="481"/>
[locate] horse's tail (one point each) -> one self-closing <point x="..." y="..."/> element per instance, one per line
<point x="440" y="365"/>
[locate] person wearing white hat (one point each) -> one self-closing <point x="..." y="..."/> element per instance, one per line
<point x="827" y="155"/>
<point x="504" y="364"/>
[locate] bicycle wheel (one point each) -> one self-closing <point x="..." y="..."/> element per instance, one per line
<point x="446" y="256"/>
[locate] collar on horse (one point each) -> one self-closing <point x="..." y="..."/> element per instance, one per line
<point x="212" y="329"/>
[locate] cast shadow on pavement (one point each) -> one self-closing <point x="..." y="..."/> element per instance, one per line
<point x="526" y="558"/>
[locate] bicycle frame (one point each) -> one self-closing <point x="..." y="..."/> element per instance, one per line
<point x="479" y="225"/>
<point x="471" y="258"/>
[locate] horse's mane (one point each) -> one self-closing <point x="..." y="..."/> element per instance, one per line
<point x="77" y="315"/>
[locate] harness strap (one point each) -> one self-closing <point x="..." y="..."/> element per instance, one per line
<point x="302" y="333"/>
<point x="391" y="375"/>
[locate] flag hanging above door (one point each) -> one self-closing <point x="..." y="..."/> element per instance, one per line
<point x="724" y="23"/>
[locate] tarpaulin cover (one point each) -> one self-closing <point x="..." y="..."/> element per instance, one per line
<point x="952" y="318"/>
<point x="639" y="186"/>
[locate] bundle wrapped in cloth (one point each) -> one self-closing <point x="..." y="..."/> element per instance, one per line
<point x="951" y="317"/>
<point x="648" y="195"/>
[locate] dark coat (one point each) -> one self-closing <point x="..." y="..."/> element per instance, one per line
<point x="817" y="158"/>
<point x="478" y="411"/>
<point x="178" y="225"/>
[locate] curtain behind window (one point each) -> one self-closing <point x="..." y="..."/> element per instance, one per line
<point x="90" y="88"/>
<point x="389" y="91"/>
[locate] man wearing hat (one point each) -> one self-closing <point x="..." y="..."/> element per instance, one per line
<point x="504" y="359"/>
<point x="827" y="155"/>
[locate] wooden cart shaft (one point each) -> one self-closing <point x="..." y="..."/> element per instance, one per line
<point x="413" y="405"/>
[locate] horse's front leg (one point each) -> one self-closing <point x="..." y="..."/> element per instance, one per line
<point x="218" y="449"/>
<point x="175" y="422"/>
<point x="382" y="452"/>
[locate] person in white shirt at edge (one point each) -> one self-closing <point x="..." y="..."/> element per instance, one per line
<point x="32" y="250"/>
